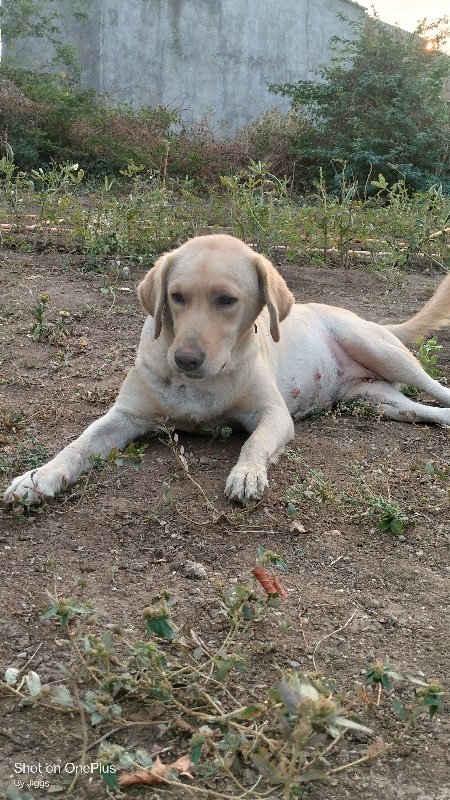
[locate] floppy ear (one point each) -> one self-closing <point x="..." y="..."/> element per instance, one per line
<point x="152" y="291"/>
<point x="275" y="294"/>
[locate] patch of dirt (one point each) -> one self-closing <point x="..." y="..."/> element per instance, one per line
<point x="128" y="545"/>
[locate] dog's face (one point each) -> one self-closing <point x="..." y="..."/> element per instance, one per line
<point x="206" y="295"/>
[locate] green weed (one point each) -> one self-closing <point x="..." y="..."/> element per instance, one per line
<point x="428" y="355"/>
<point x="56" y="333"/>
<point x="205" y="698"/>
<point x="30" y="455"/>
<point x="363" y="499"/>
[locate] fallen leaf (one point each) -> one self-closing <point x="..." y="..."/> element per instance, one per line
<point x="157" y="773"/>
<point x="297" y="527"/>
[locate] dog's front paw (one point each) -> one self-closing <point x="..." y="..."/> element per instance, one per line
<point x="33" y="487"/>
<point x="246" y="483"/>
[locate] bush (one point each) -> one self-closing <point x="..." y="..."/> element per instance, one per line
<point x="47" y="118"/>
<point x="379" y="108"/>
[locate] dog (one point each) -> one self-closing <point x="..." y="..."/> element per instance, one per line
<point x="224" y="344"/>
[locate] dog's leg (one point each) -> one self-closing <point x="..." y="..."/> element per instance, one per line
<point x="394" y="405"/>
<point x="272" y="430"/>
<point x="376" y="349"/>
<point x="115" y="429"/>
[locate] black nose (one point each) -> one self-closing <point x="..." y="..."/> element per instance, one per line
<point x="189" y="358"/>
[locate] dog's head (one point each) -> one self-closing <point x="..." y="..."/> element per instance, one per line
<point x="206" y="295"/>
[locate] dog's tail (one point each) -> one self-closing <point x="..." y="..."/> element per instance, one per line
<point x="435" y="314"/>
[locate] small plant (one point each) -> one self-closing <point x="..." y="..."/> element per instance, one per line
<point x="388" y="515"/>
<point x="385" y="511"/>
<point x="428" y="355"/>
<point x="57" y="332"/>
<point x="39" y="312"/>
<point x="30" y="455"/>
<point x="255" y="195"/>
<point x="367" y="501"/>
<point x="212" y="716"/>
<point x="379" y="676"/>
<point x="313" y="487"/>
<point x="132" y="456"/>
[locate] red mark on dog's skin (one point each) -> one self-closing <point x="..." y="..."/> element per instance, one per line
<point x="295" y="392"/>
<point x="318" y="375"/>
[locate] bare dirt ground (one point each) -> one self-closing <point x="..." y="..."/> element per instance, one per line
<point x="127" y="544"/>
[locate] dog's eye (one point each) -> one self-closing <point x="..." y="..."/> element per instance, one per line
<point x="178" y="298"/>
<point x="226" y="300"/>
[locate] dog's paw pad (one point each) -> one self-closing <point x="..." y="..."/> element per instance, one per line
<point x="245" y="484"/>
<point x="31" y="488"/>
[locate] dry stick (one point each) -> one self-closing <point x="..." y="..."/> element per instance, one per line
<point x="129" y="725"/>
<point x="257" y="734"/>
<point x="210" y="717"/>
<point x="333" y="743"/>
<point x="85" y="737"/>
<point x="212" y="792"/>
<point x="179" y="456"/>
<point x="361" y="760"/>
<point x="31" y="658"/>
<point x="230" y="775"/>
<point x="23" y="696"/>
<point x="78" y="652"/>
<point x="296" y="750"/>
<point x="338" y="630"/>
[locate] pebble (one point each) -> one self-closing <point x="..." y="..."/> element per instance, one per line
<point x="193" y="569"/>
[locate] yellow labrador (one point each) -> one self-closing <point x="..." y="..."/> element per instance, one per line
<point x="225" y="344"/>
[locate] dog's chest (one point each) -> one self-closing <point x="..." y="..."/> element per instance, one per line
<point x="189" y="401"/>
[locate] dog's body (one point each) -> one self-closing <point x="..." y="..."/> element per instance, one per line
<point x="225" y="345"/>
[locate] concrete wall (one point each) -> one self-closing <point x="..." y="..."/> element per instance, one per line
<point x="203" y="57"/>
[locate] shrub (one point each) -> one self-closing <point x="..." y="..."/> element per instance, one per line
<point x="379" y="107"/>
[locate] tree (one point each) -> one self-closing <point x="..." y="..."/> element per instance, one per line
<point x="379" y="106"/>
<point x="21" y="19"/>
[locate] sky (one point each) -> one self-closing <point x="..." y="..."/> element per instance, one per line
<point x="407" y="12"/>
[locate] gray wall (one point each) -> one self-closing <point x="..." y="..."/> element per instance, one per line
<point x="203" y="57"/>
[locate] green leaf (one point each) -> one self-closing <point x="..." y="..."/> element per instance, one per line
<point x="251" y="711"/>
<point x="126" y="759"/>
<point x="268" y="770"/>
<point x="308" y="690"/>
<point x="397" y="526"/>
<point x="109" y="776"/>
<point x="160" y="627"/>
<point x="11" y="676"/>
<point x="33" y="682"/>
<point x="344" y="722"/>
<point x="400" y="709"/>
<point x="62" y="697"/>
<point x="385" y="681"/>
<point x="144" y="758"/>
<point x="291" y="697"/>
<point x="196" y="745"/>
<point x="49" y="612"/>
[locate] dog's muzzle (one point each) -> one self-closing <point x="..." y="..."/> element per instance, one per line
<point x="189" y="359"/>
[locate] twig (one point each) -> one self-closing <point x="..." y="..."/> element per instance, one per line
<point x="332" y="633"/>
<point x="361" y="760"/>
<point x="128" y="725"/>
<point x="85" y="738"/>
<point x="31" y="658"/>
